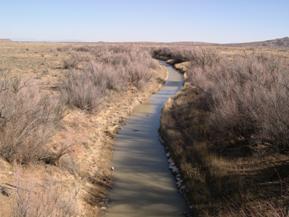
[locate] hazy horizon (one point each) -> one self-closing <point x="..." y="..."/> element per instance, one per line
<point x="211" y="21"/>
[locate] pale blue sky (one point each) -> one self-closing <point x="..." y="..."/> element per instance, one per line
<point x="146" y="20"/>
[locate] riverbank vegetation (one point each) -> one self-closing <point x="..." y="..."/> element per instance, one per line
<point x="61" y="105"/>
<point x="104" y="70"/>
<point x="227" y="131"/>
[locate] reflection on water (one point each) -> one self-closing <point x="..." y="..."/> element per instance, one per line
<point x="143" y="185"/>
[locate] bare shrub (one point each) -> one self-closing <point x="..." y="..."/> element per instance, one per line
<point x="71" y="62"/>
<point x="27" y="119"/>
<point x="137" y="64"/>
<point x="79" y="89"/>
<point x="45" y="199"/>
<point x="111" y="68"/>
<point x="204" y="57"/>
<point x="248" y="98"/>
<point x="82" y="49"/>
<point x="179" y="55"/>
<point x="86" y="89"/>
<point x="197" y="56"/>
<point x="264" y="209"/>
<point x="109" y="77"/>
<point x="63" y="49"/>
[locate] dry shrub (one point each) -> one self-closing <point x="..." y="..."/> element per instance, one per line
<point x="110" y="68"/>
<point x="79" y="90"/>
<point x="46" y="199"/>
<point x="231" y="105"/>
<point x="86" y="89"/>
<point x="27" y="119"/>
<point x="177" y="54"/>
<point x="138" y="75"/>
<point x="264" y="209"/>
<point x="197" y="56"/>
<point x="248" y="98"/>
<point x="132" y="65"/>
<point x="204" y="57"/>
<point x="71" y="62"/>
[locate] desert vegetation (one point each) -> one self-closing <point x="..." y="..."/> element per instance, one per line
<point x="44" y="199"/>
<point x="104" y="71"/>
<point x="247" y="98"/>
<point x="27" y="120"/>
<point x="231" y="119"/>
<point x="58" y="116"/>
<point x="227" y="130"/>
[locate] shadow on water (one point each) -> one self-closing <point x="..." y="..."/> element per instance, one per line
<point x="142" y="184"/>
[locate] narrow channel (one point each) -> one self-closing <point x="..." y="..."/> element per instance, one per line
<point x="143" y="185"/>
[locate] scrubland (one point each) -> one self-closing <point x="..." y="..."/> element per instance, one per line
<point x="227" y="130"/>
<point x="61" y="105"/>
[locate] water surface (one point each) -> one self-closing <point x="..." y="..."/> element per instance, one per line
<point x="142" y="184"/>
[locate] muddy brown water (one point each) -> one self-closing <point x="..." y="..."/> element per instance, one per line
<point x="143" y="185"/>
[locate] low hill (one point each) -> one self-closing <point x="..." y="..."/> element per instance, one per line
<point x="277" y="43"/>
